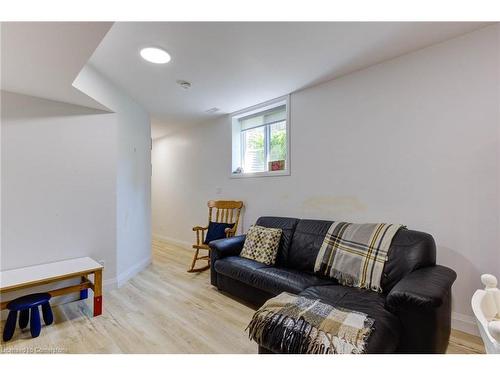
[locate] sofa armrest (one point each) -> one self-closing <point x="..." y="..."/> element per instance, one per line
<point x="422" y="302"/>
<point x="223" y="248"/>
<point x="425" y="288"/>
<point x="227" y="246"/>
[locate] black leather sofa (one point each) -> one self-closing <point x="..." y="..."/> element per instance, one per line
<point x="413" y="315"/>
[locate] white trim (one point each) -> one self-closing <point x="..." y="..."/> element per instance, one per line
<point x="285" y="172"/>
<point x="261" y="107"/>
<point x="109" y="284"/>
<point x="464" y="323"/>
<point x="182" y="244"/>
<point x="123" y="277"/>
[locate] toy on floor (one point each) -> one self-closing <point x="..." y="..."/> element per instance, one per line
<point x="27" y="306"/>
<point x="486" y="308"/>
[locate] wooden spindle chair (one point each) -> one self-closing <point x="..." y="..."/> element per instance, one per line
<point x="220" y="212"/>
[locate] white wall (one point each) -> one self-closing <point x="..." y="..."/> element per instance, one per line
<point x="414" y="140"/>
<point x="76" y="181"/>
<point x="133" y="175"/>
<point x="58" y="183"/>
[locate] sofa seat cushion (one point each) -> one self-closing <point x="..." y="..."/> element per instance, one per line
<point x="267" y="278"/>
<point x="238" y="268"/>
<point x="385" y="335"/>
<point x="277" y="280"/>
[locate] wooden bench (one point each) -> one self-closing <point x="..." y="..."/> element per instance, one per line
<point x="27" y="277"/>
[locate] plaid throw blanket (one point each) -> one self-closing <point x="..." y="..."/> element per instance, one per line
<point x="355" y="254"/>
<point x="292" y="324"/>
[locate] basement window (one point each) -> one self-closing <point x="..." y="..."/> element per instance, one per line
<point x="260" y="140"/>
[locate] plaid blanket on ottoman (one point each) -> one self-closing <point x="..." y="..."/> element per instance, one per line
<point x="355" y="254"/>
<point x="299" y="325"/>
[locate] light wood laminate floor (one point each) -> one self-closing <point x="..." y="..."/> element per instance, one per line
<point x="163" y="309"/>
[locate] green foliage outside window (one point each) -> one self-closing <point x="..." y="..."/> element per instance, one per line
<point x="277" y="142"/>
<point x="255" y="146"/>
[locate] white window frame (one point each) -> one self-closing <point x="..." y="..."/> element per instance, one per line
<point x="236" y="143"/>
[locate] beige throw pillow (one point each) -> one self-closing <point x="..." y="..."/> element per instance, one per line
<point x="261" y="244"/>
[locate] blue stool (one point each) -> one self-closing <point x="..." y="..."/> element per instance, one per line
<point x="24" y="305"/>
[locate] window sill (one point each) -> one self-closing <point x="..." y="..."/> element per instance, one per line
<point x="261" y="174"/>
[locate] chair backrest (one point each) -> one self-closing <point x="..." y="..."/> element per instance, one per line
<point x="225" y="212"/>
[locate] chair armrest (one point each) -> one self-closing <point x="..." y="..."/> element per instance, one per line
<point x="230" y="232"/>
<point x="200" y="239"/>
<point x="425" y="288"/>
<point x="197" y="228"/>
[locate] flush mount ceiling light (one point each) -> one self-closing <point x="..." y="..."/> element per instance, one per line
<point x="155" y="55"/>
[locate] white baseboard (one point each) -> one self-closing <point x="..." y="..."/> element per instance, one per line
<point x="109" y="284"/>
<point x="123" y="277"/>
<point x="182" y="244"/>
<point x="464" y="323"/>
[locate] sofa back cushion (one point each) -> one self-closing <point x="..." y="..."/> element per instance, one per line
<point x="287" y="225"/>
<point x="306" y="242"/>
<point x="409" y="251"/>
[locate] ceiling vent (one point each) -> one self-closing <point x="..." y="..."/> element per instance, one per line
<point x="184" y="84"/>
<point x="212" y="110"/>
